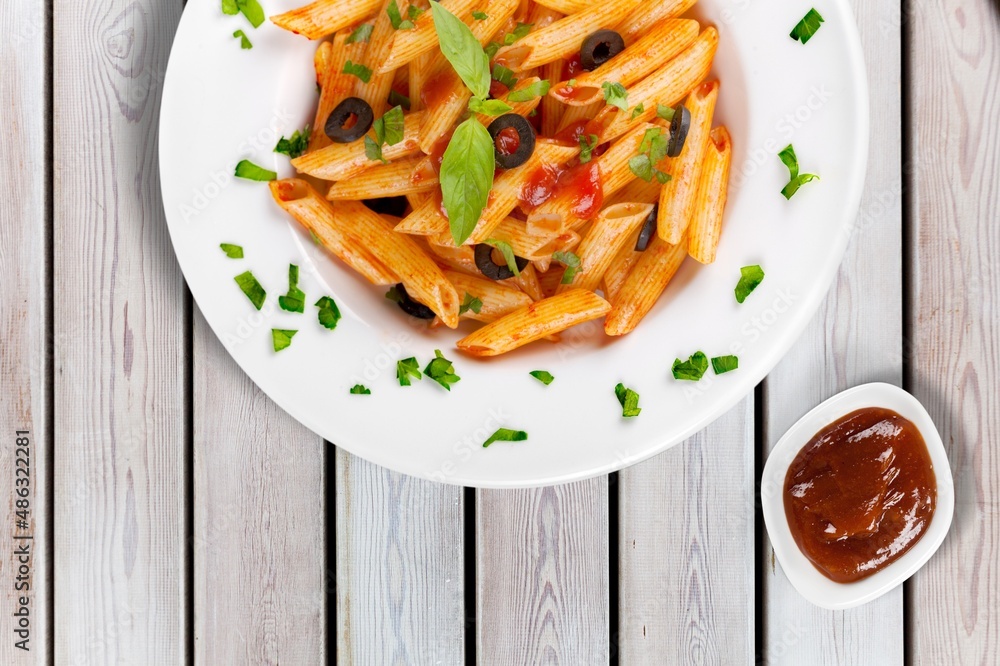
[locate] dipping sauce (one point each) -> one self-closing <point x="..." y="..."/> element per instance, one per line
<point x="860" y="493"/>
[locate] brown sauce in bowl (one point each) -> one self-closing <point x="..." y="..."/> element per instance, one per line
<point x="860" y="494"/>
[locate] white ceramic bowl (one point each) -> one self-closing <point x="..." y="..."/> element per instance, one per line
<point x="806" y="578"/>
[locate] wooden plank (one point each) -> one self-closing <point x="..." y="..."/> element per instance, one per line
<point x="954" y="323"/>
<point x="260" y="559"/>
<point x="24" y="325"/>
<point x="542" y="574"/>
<point x="855" y="338"/>
<point x="400" y="578"/>
<point x="686" y="549"/>
<point x="120" y="549"/>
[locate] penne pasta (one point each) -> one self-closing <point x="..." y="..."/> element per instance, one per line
<point x="534" y="322"/>
<point x="552" y="108"/>
<point x="321" y="60"/>
<point x="498" y="299"/>
<point x="334" y="86"/>
<point x="520" y="108"/>
<point x="620" y="267"/>
<point x="679" y="195"/>
<point x="407" y="45"/>
<point x="710" y="201"/>
<point x="325" y="17"/>
<point x="461" y="259"/>
<point x="565" y="6"/>
<point x="642" y="19"/>
<point x="607" y="236"/>
<point x="527" y="280"/>
<point x="638" y="293"/>
<point x="316" y="214"/>
<point x="375" y="90"/>
<point x="402" y="177"/>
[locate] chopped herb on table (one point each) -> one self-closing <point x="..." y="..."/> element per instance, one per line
<point x="807" y="27"/>
<point x="407" y="368"/>
<point x="629" y="400"/>
<point x="281" y="338"/>
<point x="441" y="370"/>
<point x="692" y="369"/>
<point x="295" y="299"/>
<point x="506" y="435"/>
<point x="750" y="278"/>
<point x="244" y="40"/>
<point x="360" y="389"/>
<point x="329" y="313"/>
<point x="250" y="171"/>
<point x="232" y="251"/>
<point x="544" y="376"/>
<point x="795" y="179"/>
<point x="251" y="9"/>
<point x="723" y="364"/>
<point x="294" y="146"/>
<point x="251" y="287"/>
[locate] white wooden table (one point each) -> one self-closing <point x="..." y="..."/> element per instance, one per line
<point x="177" y="515"/>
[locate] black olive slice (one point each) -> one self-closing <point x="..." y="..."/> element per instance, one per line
<point x="493" y="270"/>
<point x="525" y="140"/>
<point x="341" y="115"/>
<point x="648" y="230"/>
<point x="395" y="206"/>
<point x="599" y="48"/>
<point x="412" y="307"/>
<point x="679" y="126"/>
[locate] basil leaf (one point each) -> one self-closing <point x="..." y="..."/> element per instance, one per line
<point x="503" y="75"/>
<point x="641" y="167"/>
<point x="230" y="7"/>
<point x="543" y="376"/>
<point x="373" y="150"/>
<point x="232" y="251"/>
<point x="587" y="144"/>
<point x="807" y="27"/>
<point x="520" y="32"/>
<point x="692" y="369"/>
<point x="357" y="70"/>
<point x="281" y="338"/>
<point x="508" y="254"/>
<point x="462" y="50"/>
<point x="361" y="34"/>
<point x="396" y="19"/>
<point x="637" y="111"/>
<point x="360" y="389"/>
<point x="490" y="107"/>
<point x="629" y="400"/>
<point x="244" y="40"/>
<point x="795" y="179"/>
<point x="506" y="435"/>
<point x="723" y="364"/>
<point x="407" y="368"/>
<point x="295" y="299"/>
<point x="572" y="263"/>
<point x="664" y="112"/>
<point x="470" y="303"/>
<point x="615" y="95"/>
<point x="399" y="99"/>
<point x="466" y="177"/>
<point x="250" y="171"/>
<point x="296" y="145"/>
<point x="391" y="126"/>
<point x="750" y="277"/>
<point x="251" y="287"/>
<point x="414" y="12"/>
<point x="441" y="370"/>
<point x="252" y="10"/>
<point x="536" y="89"/>
<point x="329" y="313"/>
<point x="491" y="49"/>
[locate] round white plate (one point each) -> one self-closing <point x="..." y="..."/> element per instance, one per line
<point x="222" y="104"/>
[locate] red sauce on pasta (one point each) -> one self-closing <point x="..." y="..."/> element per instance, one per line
<point x="582" y="183"/>
<point x="572" y="67"/>
<point x="437" y="89"/>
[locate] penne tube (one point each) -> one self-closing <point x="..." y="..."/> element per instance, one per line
<point x="418" y="199"/>
<point x="527" y="281"/>
<point x="552" y="109"/>
<point x="376" y="90"/>
<point x="325" y="17"/>
<point x="550" y="279"/>
<point x="417" y="72"/>
<point x="574" y="114"/>
<point x="522" y="242"/>
<point x="541" y="16"/>
<point x="340" y="161"/>
<point x="562" y="37"/>
<point x="565" y="6"/>
<point x="407" y="45"/>
<point x="663" y="42"/>
<point x="606" y="237"/>
<point x="534" y="322"/>
<point x="334" y="86"/>
<point x="638" y="293"/>
<point x="394" y="179"/>
<point x="642" y="19"/>
<point x="619" y="268"/>
<point x="460" y="259"/>
<point x="667" y="85"/>
<point x="498" y="298"/>
<point x="426" y="220"/>
<point x="316" y="214"/>
<point x="424" y="281"/>
<point x="637" y="191"/>
<point x="710" y="201"/>
<point x="321" y="60"/>
<point x="679" y="194"/>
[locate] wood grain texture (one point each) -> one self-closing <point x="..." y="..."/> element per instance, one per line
<point x="855" y="338"/>
<point x="686" y="549"/>
<point x="542" y="575"/>
<point x="24" y="365"/>
<point x="120" y="450"/>
<point x="260" y="558"/>
<point x="954" y="348"/>
<point x="400" y="588"/>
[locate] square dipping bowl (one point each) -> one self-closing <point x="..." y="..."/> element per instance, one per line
<point x="803" y="575"/>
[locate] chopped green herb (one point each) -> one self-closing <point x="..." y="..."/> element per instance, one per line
<point x="373" y="150"/>
<point x="505" y="76"/>
<point x="295" y="299"/>
<point x="544" y="376"/>
<point x="466" y="177"/>
<point x="251" y="287"/>
<point x="389" y="129"/>
<point x="508" y="254"/>
<point x="296" y="145"/>
<point x="637" y="111"/>
<point x="361" y="34"/>
<point x="441" y="370"/>
<point x="250" y="171"/>
<point x="572" y="263"/>
<point x="329" y="313"/>
<point x="795" y="179"/>
<point x="396" y="19"/>
<point x="232" y="251"/>
<point x="491" y="49"/>
<point x="520" y="32"/>
<point x="480" y="16"/>
<point x="489" y="107"/>
<point x="536" y="89"/>
<point x="357" y="70"/>
<point x="407" y="368"/>
<point x="652" y="149"/>
<point x="750" y="277"/>
<point x="629" y="400"/>
<point x="250" y="9"/>
<point x="587" y="144"/>
<point x="244" y="40"/>
<point x="413" y="12"/>
<point x="692" y="369"/>
<point x="664" y="112"/>
<point x="399" y="99"/>
<point x="281" y="338"/>
<point x="394" y="295"/>
<point x="230" y="7"/>
<point x="807" y="27"/>
<point x="722" y="364"/>
<point x="360" y="389"/>
<point x="470" y="302"/>
<point x="571" y="83"/>
<point x="461" y="48"/>
<point x="615" y="95"/>
<point x="506" y="435"/>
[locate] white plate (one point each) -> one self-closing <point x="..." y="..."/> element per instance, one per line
<point x="222" y="104"/>
<point x="806" y="578"/>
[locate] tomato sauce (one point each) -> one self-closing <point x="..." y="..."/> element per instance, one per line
<point x="437" y="88"/>
<point x="507" y="141"/>
<point x="860" y="494"/>
<point x="582" y="183"/>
